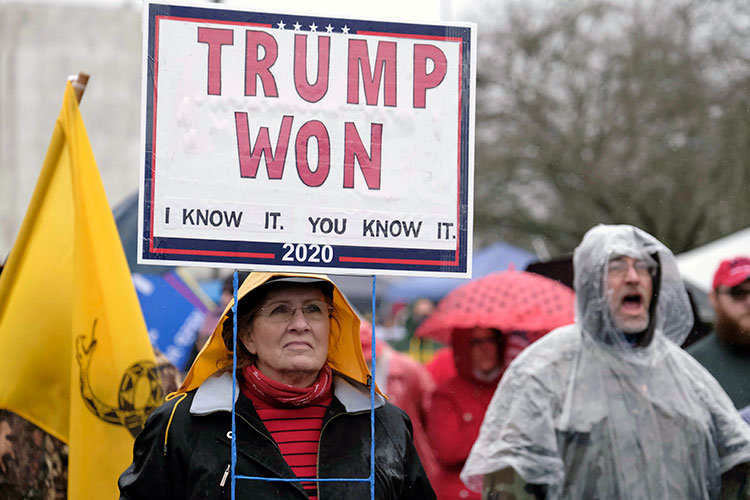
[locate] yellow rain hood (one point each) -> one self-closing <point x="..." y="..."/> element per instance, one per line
<point x="344" y="349"/>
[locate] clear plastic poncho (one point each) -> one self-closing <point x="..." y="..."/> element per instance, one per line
<point x="590" y="416"/>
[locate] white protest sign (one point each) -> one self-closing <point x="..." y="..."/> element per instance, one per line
<point x="301" y="143"/>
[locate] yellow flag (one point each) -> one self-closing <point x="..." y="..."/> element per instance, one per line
<point x="75" y="358"/>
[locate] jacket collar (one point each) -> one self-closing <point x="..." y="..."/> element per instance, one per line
<point x="215" y="394"/>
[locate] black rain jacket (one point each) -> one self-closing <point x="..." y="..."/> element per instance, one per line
<point x="184" y="451"/>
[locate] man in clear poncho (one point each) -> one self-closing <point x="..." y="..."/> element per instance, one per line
<point x="610" y="406"/>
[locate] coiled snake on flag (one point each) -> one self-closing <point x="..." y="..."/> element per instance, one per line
<point x="126" y="413"/>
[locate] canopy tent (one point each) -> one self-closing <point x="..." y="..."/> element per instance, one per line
<point x="699" y="264"/>
<point x="496" y="257"/>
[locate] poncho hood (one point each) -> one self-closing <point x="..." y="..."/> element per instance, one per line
<point x="344" y="348"/>
<point x="671" y="314"/>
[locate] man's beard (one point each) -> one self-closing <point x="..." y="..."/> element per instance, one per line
<point x="631" y="325"/>
<point x="730" y="331"/>
<point x="626" y="323"/>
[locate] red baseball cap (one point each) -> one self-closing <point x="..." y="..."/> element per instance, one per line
<point x="732" y="272"/>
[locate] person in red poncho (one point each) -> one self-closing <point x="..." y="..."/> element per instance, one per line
<point x="457" y="406"/>
<point x="408" y="385"/>
<point x="441" y="366"/>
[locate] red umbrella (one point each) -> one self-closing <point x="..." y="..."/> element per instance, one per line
<point x="507" y="301"/>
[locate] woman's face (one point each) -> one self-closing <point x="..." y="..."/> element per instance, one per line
<point x="484" y="350"/>
<point x="289" y="334"/>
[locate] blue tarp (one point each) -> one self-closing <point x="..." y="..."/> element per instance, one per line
<point x="496" y="257"/>
<point x="173" y="314"/>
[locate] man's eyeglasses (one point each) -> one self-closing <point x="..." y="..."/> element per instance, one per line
<point x="283" y="313"/>
<point x="737" y="294"/>
<point x="620" y="267"/>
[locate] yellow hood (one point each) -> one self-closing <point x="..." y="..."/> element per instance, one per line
<point x="344" y="356"/>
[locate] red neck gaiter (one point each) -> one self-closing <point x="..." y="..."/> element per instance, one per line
<point x="254" y="384"/>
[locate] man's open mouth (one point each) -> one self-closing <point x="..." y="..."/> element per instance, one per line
<point x="633" y="301"/>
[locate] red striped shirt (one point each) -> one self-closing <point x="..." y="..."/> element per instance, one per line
<point x="297" y="432"/>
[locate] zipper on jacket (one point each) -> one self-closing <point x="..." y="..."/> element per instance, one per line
<point x="224" y="477"/>
<point x="223" y="482"/>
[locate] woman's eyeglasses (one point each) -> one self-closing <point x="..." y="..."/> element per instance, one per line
<point x="283" y="313"/>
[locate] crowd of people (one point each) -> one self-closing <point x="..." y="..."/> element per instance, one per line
<point x="608" y="406"/>
<point x="611" y="406"/>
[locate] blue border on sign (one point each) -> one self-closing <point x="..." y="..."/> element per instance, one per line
<point x="249" y="253"/>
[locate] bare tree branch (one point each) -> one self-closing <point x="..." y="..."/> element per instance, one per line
<point x="601" y="111"/>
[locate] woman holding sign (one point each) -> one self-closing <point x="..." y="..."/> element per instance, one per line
<point x="302" y="408"/>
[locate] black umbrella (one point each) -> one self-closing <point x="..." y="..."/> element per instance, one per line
<point x="126" y="218"/>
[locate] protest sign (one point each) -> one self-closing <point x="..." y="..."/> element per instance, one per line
<point x="307" y="143"/>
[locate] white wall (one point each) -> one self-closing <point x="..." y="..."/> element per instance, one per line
<point x="40" y="45"/>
